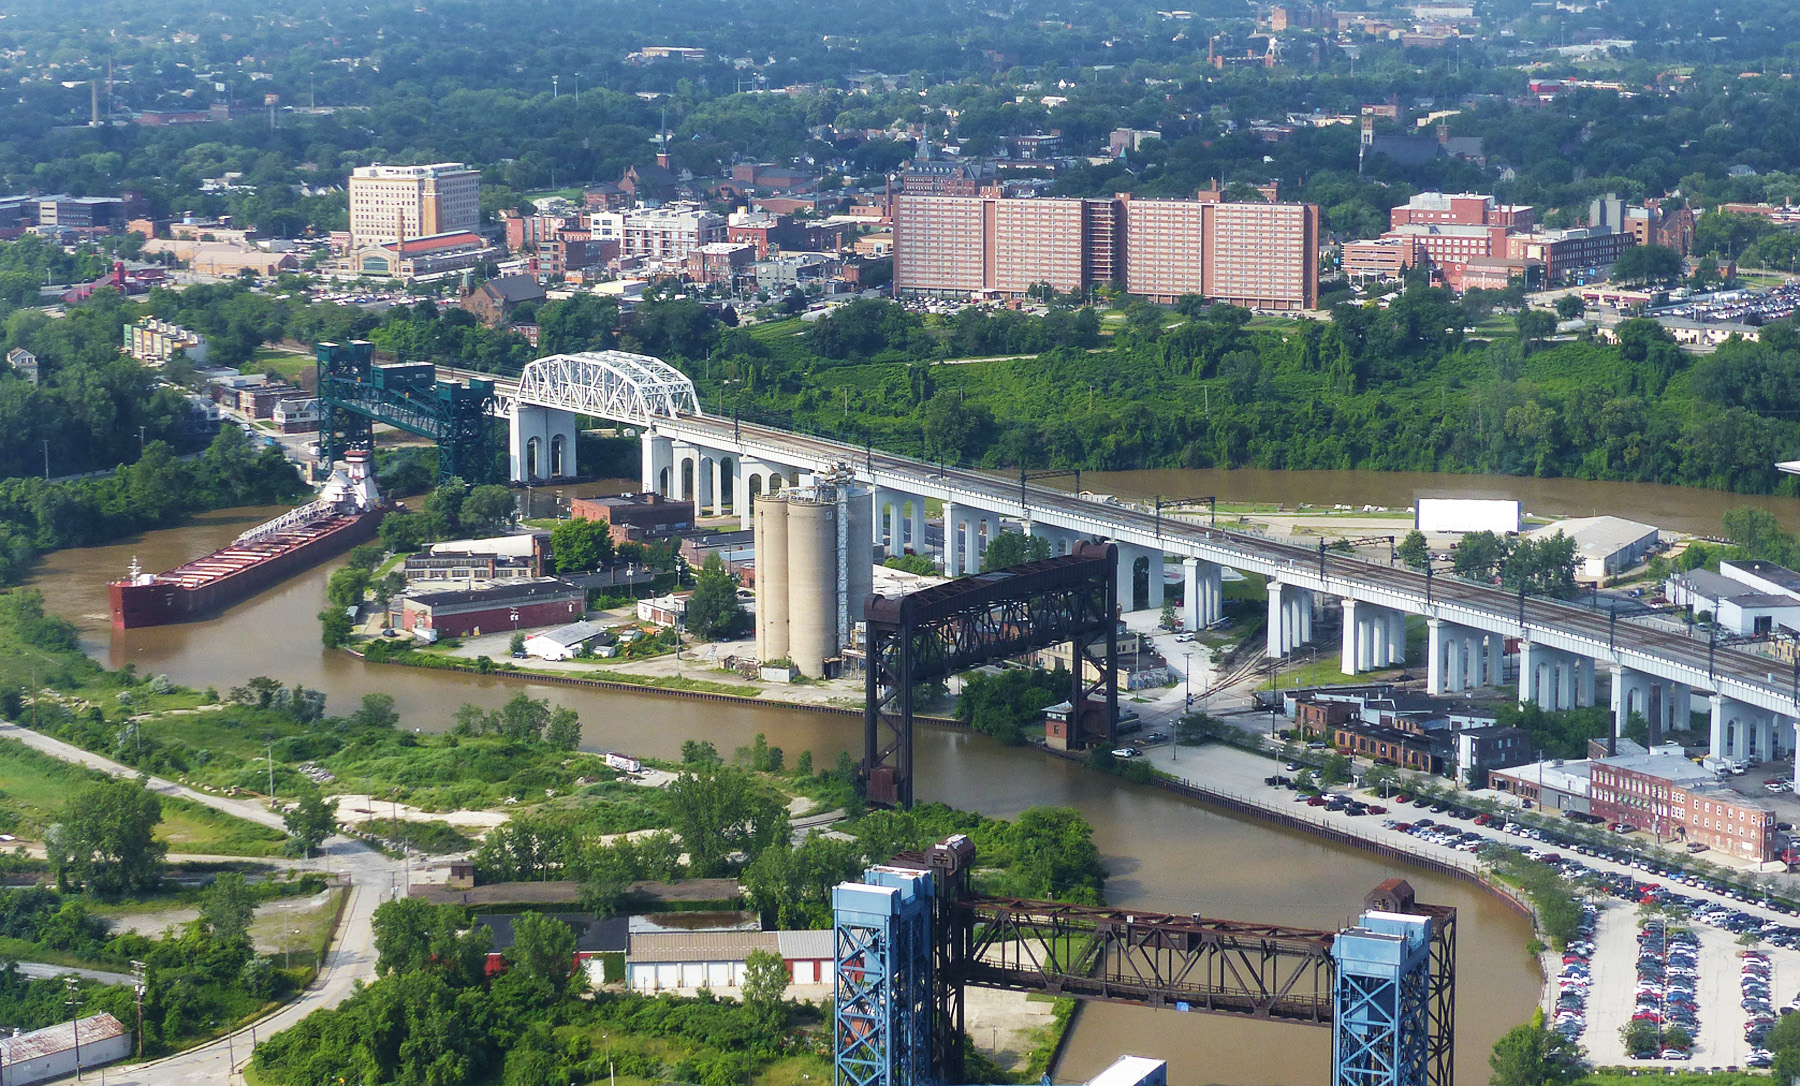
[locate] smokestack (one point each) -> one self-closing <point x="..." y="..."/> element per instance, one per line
<point x="94" y="103"/>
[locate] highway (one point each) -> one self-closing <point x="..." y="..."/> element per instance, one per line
<point x="1757" y="680"/>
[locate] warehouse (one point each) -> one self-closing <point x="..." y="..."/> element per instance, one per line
<point x="51" y="1052"/>
<point x="1604" y="546"/>
<point x="513" y="605"/>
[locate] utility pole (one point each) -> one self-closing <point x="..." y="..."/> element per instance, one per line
<point x="140" y="971"/>
<point x="74" y="1002"/>
<point x="271" y="775"/>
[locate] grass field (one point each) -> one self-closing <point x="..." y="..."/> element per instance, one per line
<point x="289" y="364"/>
<point x="34" y="787"/>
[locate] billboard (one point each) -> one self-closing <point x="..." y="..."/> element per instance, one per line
<point x="1466" y="515"/>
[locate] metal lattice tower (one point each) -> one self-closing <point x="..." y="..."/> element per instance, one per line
<point x="883" y="1006"/>
<point x="1380" y="1032"/>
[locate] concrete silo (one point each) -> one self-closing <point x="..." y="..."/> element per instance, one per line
<point x="771" y="578"/>
<point x="814" y="568"/>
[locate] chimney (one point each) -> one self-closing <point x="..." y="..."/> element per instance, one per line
<point x="1443" y="132"/>
<point x="662" y="159"/>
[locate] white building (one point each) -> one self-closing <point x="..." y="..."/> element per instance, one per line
<point x="669" y="232"/>
<point x="562" y="642"/>
<point x="661" y="961"/>
<point x="393" y="203"/>
<point x="49" y="1053"/>
<point x="153" y="342"/>
<point x="1744" y="598"/>
<point x="1603" y="545"/>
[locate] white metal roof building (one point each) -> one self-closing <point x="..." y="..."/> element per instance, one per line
<point x="1603" y="545"/>
<point x="49" y="1053"/>
<point x="562" y="642"/>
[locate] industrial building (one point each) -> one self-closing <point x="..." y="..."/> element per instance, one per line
<point x="395" y="203"/>
<point x="637" y="517"/>
<point x="500" y="558"/>
<point x="815" y="551"/>
<point x="461" y="612"/>
<point x="563" y="642"/>
<point x="1675" y="799"/>
<point x="1260" y="256"/>
<point x="1604" y="546"/>
<point x="52" y="1052"/>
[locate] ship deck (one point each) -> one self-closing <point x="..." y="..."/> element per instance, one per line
<point x="241" y="556"/>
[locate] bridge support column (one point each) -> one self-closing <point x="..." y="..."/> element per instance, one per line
<point x="658" y="454"/>
<point x="1396" y="637"/>
<point x="1454" y="655"/>
<point x="952" y="513"/>
<point x="1204" y="588"/>
<point x="1290" y="618"/>
<point x="918" y="524"/>
<point x="1734" y="726"/>
<point x="540" y="444"/>
<point x="716" y="484"/>
<point x="1530" y="657"/>
<point x="1630" y="694"/>
<point x="1157" y="593"/>
<point x="1357" y="654"/>
<point x="1496" y="657"/>
<point x="1584" y="681"/>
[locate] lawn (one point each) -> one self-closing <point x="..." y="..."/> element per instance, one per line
<point x="289" y="365"/>
<point x="191" y="827"/>
<point x="34" y="787"/>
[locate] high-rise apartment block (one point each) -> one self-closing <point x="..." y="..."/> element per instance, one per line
<point x="1262" y="256"/>
<point x="395" y="203"/>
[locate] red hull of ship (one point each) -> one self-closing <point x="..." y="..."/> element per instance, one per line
<point x="161" y="602"/>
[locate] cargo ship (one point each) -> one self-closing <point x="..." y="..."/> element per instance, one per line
<point x="348" y="510"/>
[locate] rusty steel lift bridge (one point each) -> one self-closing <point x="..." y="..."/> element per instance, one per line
<point x="355" y="393"/>
<point x="984" y="619"/>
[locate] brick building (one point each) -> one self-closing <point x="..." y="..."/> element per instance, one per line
<point x="637" y="517"/>
<point x="494" y="301"/>
<point x="466" y="611"/>
<point x="1675" y="799"/>
<point x="1261" y="256"/>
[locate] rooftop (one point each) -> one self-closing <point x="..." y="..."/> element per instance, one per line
<point x="61" y="1037"/>
<point x="1596" y="535"/>
<point x="573" y="634"/>
<point x="519" y="591"/>
<point x="1667" y="767"/>
<point x="592" y="935"/>
<point x="1787" y="579"/>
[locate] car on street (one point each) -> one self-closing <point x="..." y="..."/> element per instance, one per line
<point x="1127" y="752"/>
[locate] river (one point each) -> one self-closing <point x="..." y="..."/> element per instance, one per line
<point x="1164" y="854"/>
<point x="1683" y="509"/>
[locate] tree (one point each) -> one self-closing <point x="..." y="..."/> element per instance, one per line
<point x="443" y="509"/>
<point x="227" y="907"/>
<point x="542" y="955"/>
<point x="713" y="612"/>
<point x="106" y="838"/>
<point x="1413" y="551"/>
<point x="1012" y="548"/>
<point x="1570" y="306"/>
<point x="1054" y="855"/>
<point x="517" y="644"/>
<point x="523" y="718"/>
<point x="765" y="989"/>
<point x="1531" y="1055"/>
<point x="1479" y="554"/>
<point x="487" y="509"/>
<point x="580" y="545"/>
<point x="912" y="563"/>
<point x="335" y="627"/>
<point x="412" y="935"/>
<point x="347" y="587"/>
<point x="564" y="730"/>
<point x="1647" y="264"/>
<point x="310" y="820"/>
<point x="719" y="811"/>
<point x="1534" y="326"/>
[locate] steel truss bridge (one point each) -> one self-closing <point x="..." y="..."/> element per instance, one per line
<point x="1191" y="963"/>
<point x="973" y="621"/>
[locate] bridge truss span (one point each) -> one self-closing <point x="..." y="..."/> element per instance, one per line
<point x="1151" y="960"/>
<point x="612" y="385"/>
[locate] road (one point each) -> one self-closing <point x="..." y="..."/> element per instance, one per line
<point x="372" y="878"/>
<point x="1745" y="674"/>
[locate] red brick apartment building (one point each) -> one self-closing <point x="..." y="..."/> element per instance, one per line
<point x="1261" y="256"/>
<point x="1674" y="798"/>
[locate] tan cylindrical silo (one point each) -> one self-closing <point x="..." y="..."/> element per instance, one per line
<point x="861" y="551"/>
<point x="812" y="584"/>
<point x="771" y="544"/>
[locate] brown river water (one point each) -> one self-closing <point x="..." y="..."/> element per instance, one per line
<point x="1164" y="853"/>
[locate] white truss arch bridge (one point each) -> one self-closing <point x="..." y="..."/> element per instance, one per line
<point x="618" y="386"/>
